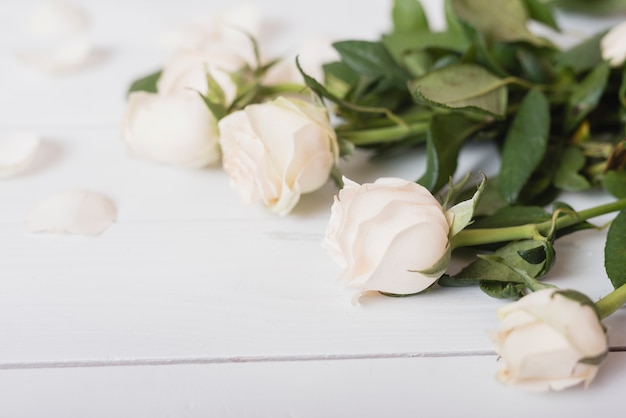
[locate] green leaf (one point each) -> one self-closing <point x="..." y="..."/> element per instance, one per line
<point x="615" y="251"/>
<point x="463" y="212"/>
<point x="513" y="216"/>
<point x="401" y="43"/>
<point x="147" y="83"/>
<point x="622" y="89"/>
<point x="348" y="107"/>
<point x="482" y="269"/>
<point x="535" y="255"/>
<point x="506" y="22"/>
<point x="567" y="176"/>
<point x="615" y="183"/>
<point x="525" y="144"/>
<point x="444" y="140"/>
<point x="408" y="16"/>
<point x="593" y="6"/>
<point x="541" y="12"/>
<point x="218" y="110"/>
<point x="583" y="56"/>
<point x="502" y="290"/>
<point x="586" y="96"/>
<point x="371" y="59"/>
<point x="463" y="87"/>
<point x="339" y="78"/>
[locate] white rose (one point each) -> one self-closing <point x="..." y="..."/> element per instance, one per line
<point x="276" y="151"/>
<point x="389" y="236"/>
<point x="230" y="25"/>
<point x="176" y="129"/>
<point x="186" y="71"/>
<point x="312" y="55"/>
<point x="547" y="340"/>
<point x="613" y="45"/>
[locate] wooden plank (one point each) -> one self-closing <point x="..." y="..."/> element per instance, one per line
<point x="228" y="288"/>
<point x="432" y="387"/>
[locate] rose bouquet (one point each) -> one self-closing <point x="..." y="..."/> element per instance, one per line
<point x="556" y="115"/>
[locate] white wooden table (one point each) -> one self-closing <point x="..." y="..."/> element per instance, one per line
<point x="194" y="305"/>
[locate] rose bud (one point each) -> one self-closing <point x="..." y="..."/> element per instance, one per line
<point x="549" y="340"/>
<point x="389" y="236"/>
<point x="177" y="129"/>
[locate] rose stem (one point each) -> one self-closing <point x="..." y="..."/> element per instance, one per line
<point x="470" y="237"/>
<point x="387" y="134"/>
<point x="612" y="302"/>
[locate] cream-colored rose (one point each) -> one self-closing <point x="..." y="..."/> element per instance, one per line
<point x="276" y="151"/>
<point x="177" y="129"/>
<point x="186" y="71"/>
<point x="389" y="236"/>
<point x="613" y="45"/>
<point x="549" y="341"/>
<point x="312" y="55"/>
<point x="231" y="25"/>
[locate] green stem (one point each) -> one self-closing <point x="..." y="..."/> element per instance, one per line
<point x="471" y="237"/>
<point x="387" y="134"/>
<point x="277" y="89"/>
<point x="612" y="302"/>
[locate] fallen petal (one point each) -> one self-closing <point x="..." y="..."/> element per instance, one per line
<point x="16" y="152"/>
<point x="73" y="212"/>
<point x="57" y="58"/>
<point x="56" y="38"/>
<point x="58" y="18"/>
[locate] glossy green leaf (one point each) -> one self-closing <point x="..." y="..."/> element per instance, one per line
<point x="147" y="83"/>
<point x="503" y="290"/>
<point x="506" y="21"/>
<point x="408" y="16"/>
<point x="614" y="182"/>
<point x="586" y="96"/>
<point x="593" y="6"/>
<point x="541" y="12"/>
<point x="525" y="144"/>
<point x="370" y="59"/>
<point x="463" y="212"/>
<point x="615" y="251"/>
<point x="339" y="78"/>
<point x="444" y="140"/>
<point x="583" y="56"/>
<point x="482" y="269"/>
<point x="622" y="89"/>
<point x="513" y="216"/>
<point x="401" y="43"/>
<point x="463" y="87"/>
<point x="567" y="176"/>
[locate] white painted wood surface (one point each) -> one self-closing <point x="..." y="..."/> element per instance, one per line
<point x="193" y="304"/>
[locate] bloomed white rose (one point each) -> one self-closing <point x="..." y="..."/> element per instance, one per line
<point x="312" y="55"/>
<point x="186" y="71"/>
<point x="549" y="341"/>
<point x="613" y="45"/>
<point x="276" y="151"/>
<point x="389" y="236"/>
<point x="177" y="129"/>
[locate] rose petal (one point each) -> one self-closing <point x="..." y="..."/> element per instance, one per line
<point x="16" y="152"/>
<point x="58" y="18"/>
<point x="74" y="212"/>
<point x="229" y="26"/>
<point x="57" y="38"/>
<point x="57" y="58"/>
